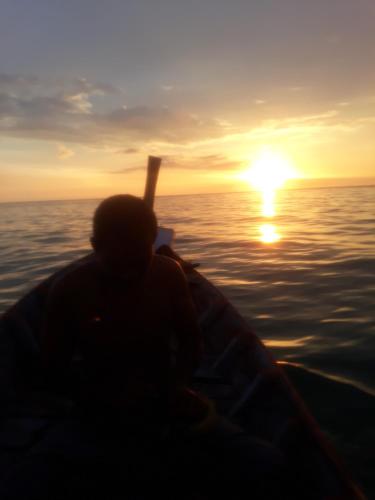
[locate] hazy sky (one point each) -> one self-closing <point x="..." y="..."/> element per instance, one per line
<point x="89" y="88"/>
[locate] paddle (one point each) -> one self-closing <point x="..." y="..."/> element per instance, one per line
<point x="153" y="168"/>
<point x="165" y="235"/>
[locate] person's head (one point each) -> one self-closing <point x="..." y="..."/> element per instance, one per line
<point x="124" y="230"/>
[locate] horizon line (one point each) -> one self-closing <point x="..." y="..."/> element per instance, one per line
<point x="290" y="188"/>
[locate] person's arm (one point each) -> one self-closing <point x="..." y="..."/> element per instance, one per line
<point x="58" y="334"/>
<point x="189" y="338"/>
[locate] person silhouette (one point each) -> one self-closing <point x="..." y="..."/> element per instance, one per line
<point x="129" y="314"/>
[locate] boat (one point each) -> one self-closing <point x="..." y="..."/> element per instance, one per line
<point x="238" y="373"/>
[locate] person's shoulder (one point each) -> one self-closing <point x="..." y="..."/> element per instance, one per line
<point x="169" y="272"/>
<point x="74" y="280"/>
<point x="167" y="265"/>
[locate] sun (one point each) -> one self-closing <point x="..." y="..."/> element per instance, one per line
<point x="269" y="171"/>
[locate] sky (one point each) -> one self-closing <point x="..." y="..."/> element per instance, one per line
<point x="89" y="89"/>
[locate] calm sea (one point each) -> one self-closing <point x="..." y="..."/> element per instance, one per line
<point x="310" y="295"/>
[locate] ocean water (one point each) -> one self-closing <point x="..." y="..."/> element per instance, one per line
<point x="310" y="294"/>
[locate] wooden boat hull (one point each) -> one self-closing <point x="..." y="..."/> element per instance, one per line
<point x="237" y="373"/>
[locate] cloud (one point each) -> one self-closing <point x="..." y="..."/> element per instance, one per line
<point x="29" y="85"/>
<point x="214" y="162"/>
<point x="367" y="119"/>
<point x="128" y="151"/>
<point x="92" y="114"/>
<point x="320" y="126"/>
<point x="157" y="123"/>
<point x="18" y="85"/>
<point x="80" y="102"/>
<point x="65" y="111"/>
<point x="63" y="152"/>
<point x="52" y="110"/>
<point x="217" y="162"/>
<point x="297" y="88"/>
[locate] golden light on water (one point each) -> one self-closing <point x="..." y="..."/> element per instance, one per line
<point x="267" y="174"/>
<point x="269" y="233"/>
<point x="268" y="207"/>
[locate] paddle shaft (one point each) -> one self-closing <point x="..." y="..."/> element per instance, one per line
<point x="153" y="168"/>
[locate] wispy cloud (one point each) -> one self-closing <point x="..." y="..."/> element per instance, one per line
<point x="67" y="112"/>
<point x="213" y="162"/>
<point x="63" y="152"/>
<point x="319" y="126"/>
<point x="128" y="151"/>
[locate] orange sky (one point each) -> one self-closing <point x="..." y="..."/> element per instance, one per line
<point x="79" y="114"/>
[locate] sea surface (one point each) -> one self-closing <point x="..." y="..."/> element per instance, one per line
<point x="304" y="278"/>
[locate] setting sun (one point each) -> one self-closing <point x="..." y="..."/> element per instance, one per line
<point x="269" y="171"/>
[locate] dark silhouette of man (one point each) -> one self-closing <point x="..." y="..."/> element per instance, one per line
<point x="128" y="312"/>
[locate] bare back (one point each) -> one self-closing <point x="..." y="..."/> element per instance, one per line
<point x="123" y="331"/>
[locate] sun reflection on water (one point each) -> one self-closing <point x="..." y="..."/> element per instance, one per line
<point x="268" y="207"/>
<point x="269" y="233"/>
<point x="268" y="174"/>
